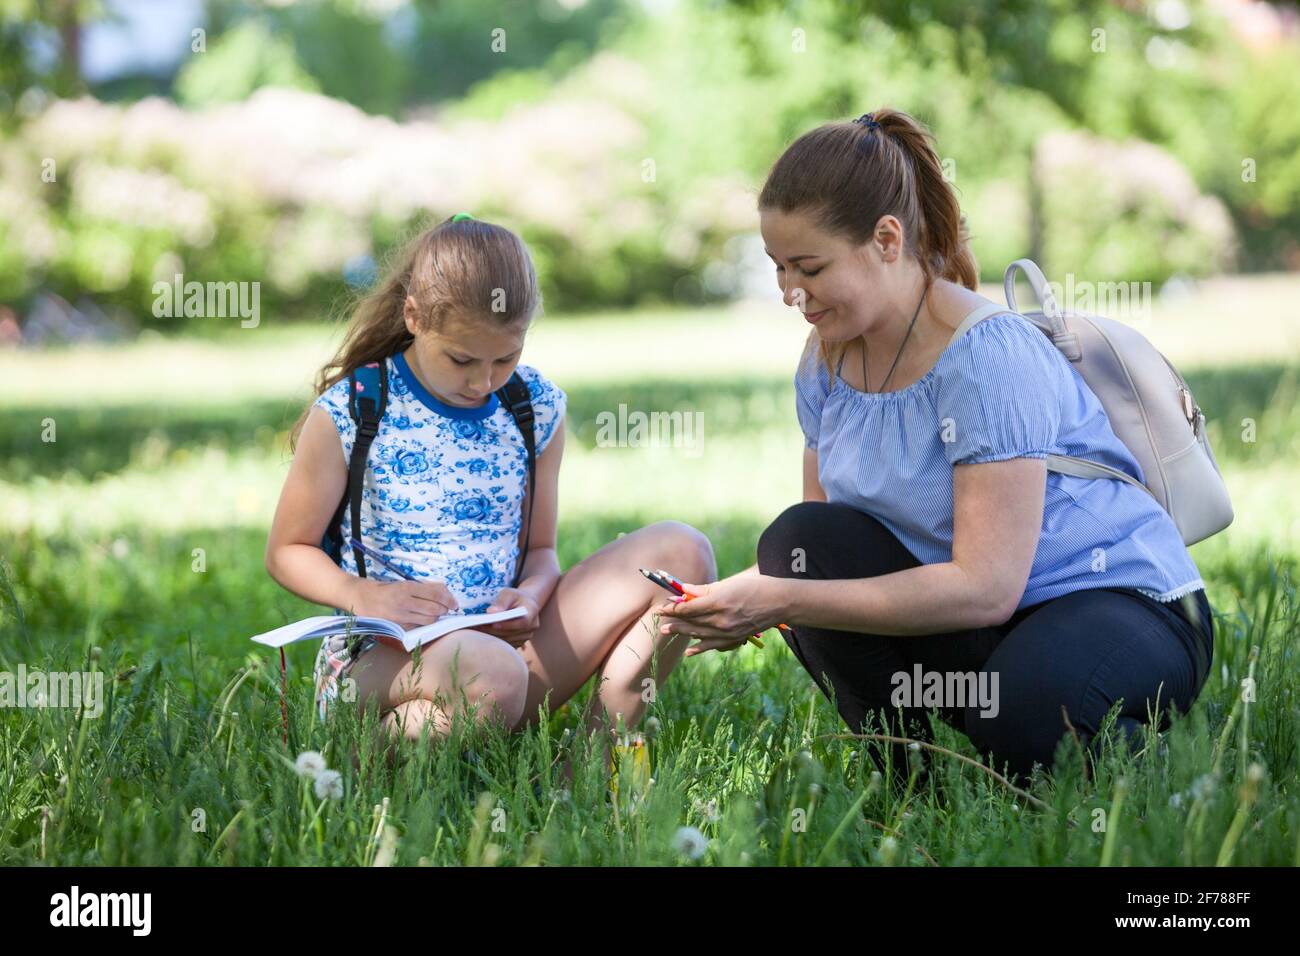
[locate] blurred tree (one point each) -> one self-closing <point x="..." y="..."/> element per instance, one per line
<point x="1044" y="45"/>
<point x="457" y="43"/>
<point x="237" y="63"/>
<point x="32" y="30"/>
<point x="386" y="55"/>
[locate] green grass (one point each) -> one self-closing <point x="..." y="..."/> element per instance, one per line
<point x="168" y="446"/>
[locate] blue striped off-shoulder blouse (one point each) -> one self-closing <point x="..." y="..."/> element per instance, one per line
<point x="1000" y="391"/>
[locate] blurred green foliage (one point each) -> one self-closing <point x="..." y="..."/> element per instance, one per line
<point x="640" y="137"/>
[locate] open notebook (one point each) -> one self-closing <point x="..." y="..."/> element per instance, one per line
<point x="319" y="627"/>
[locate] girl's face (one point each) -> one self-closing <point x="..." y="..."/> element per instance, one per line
<point x="841" y="288"/>
<point x="467" y="359"/>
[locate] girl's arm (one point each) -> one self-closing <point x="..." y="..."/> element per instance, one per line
<point x="312" y="490"/>
<point x="541" y="568"/>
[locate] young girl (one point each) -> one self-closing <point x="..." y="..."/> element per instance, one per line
<point x="443" y="500"/>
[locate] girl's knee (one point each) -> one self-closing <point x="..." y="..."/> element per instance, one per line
<point x="500" y="679"/>
<point x="481" y="668"/>
<point x="684" y="550"/>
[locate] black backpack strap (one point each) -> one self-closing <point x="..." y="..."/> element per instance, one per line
<point x="515" y="397"/>
<point x="367" y="399"/>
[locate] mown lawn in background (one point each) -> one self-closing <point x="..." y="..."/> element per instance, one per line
<point x="166" y="446"/>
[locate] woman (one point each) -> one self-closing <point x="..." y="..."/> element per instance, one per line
<point x="931" y="538"/>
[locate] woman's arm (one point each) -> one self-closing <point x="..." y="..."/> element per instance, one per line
<point x="997" y="519"/>
<point x="812" y="486"/>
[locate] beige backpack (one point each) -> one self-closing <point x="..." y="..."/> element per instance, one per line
<point x="1150" y="408"/>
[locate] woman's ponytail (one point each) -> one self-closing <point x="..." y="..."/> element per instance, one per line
<point x="943" y="246"/>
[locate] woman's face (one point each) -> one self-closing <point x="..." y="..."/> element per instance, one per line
<point x="841" y="288"/>
<point x="468" y="358"/>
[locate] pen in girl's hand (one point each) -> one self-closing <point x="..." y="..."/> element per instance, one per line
<point x="371" y="552"/>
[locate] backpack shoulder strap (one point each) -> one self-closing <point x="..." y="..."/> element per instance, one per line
<point x="367" y="400"/>
<point x="974" y="318"/>
<point x="515" y="397"/>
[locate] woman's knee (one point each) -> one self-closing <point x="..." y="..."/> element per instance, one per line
<point x="825" y="540"/>
<point x="780" y="543"/>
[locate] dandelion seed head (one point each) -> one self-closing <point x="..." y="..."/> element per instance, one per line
<point x="690" y="842"/>
<point x="309" y="764"/>
<point x="329" y="783"/>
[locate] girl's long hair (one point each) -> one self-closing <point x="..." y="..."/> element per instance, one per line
<point x="847" y="175"/>
<point x="467" y="268"/>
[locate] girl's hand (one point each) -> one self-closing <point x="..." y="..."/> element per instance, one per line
<point x="723" y="615"/>
<point x="407" y="603"/>
<point x="520" y="630"/>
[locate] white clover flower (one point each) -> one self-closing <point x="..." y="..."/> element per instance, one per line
<point x="690" y="842"/>
<point x="309" y="764"/>
<point x="329" y="783"/>
<point x="1175" y="800"/>
<point x="652" y="726"/>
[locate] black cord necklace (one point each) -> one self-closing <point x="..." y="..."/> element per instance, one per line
<point x="866" y="383"/>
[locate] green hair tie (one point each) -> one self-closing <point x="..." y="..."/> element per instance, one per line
<point x="461" y="215"/>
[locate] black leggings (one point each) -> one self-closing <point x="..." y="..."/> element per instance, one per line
<point x="1082" y="651"/>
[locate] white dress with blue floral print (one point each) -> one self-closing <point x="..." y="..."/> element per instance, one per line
<point x="444" y="485"/>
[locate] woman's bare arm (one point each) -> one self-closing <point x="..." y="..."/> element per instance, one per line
<point x="812" y="486"/>
<point x="997" y="520"/>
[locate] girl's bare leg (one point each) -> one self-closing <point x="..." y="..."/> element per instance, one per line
<point x="463" y="669"/>
<point x="598" y="621"/>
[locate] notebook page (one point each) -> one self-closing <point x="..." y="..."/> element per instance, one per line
<point x="445" y="625"/>
<point x="317" y="627"/>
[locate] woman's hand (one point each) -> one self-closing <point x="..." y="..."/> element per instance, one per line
<point x="725" y="614"/>
<point x="408" y="603"/>
<point x="521" y="629"/>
